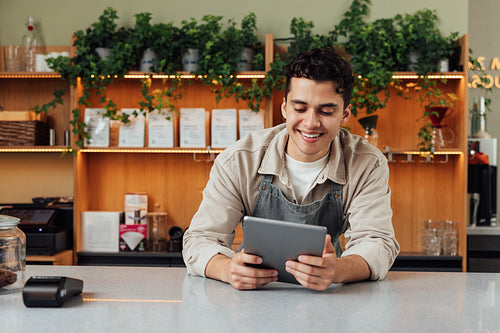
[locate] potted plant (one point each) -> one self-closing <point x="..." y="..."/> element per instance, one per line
<point x="248" y="41"/>
<point x="425" y="44"/>
<point x="194" y="36"/>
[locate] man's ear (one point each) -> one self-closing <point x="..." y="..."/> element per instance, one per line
<point x="346" y="115"/>
<point x="283" y="108"/>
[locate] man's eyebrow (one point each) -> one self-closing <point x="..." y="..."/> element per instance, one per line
<point x="298" y="101"/>
<point x="328" y="105"/>
<point x="325" y="105"/>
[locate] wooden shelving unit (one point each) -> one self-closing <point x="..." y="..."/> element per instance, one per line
<point x="175" y="178"/>
<point x="172" y="177"/>
<point x="425" y="187"/>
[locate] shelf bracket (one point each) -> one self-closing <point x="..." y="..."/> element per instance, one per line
<point x="409" y="159"/>
<point x="207" y="160"/>
<point x="389" y="155"/>
<point x="445" y="159"/>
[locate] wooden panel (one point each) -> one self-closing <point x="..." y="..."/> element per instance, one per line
<point x="175" y="181"/>
<point x="398" y="124"/>
<point x="423" y="191"/>
<point x="24" y="94"/>
<point x="62" y="258"/>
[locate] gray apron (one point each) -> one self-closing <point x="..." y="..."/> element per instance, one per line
<point x="272" y="204"/>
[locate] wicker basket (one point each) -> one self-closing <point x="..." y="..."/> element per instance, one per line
<point x="24" y="133"/>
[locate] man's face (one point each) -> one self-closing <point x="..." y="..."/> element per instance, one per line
<point x="314" y="112"/>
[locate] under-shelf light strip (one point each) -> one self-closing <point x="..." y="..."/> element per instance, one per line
<point x="441" y="152"/>
<point x="153" y="151"/>
<point x="193" y="76"/>
<point x="189" y="76"/>
<point x="432" y="76"/>
<point x="31" y="76"/>
<point x="35" y="150"/>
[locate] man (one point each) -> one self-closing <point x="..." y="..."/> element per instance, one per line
<point x="308" y="170"/>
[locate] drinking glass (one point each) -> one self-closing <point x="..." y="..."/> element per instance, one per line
<point x="13" y="58"/>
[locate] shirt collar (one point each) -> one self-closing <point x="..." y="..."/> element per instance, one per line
<point x="273" y="161"/>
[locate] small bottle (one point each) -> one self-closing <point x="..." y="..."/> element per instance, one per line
<point x="30" y="43"/>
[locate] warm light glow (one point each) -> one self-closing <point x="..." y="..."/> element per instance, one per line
<point x="440" y="152"/>
<point x="189" y="76"/>
<point x="152" y="150"/>
<point x="27" y="75"/>
<point x="132" y="300"/>
<point x="35" y="150"/>
<point x="431" y="76"/>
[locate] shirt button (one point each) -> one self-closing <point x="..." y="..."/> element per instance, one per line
<point x="336" y="196"/>
<point x="264" y="187"/>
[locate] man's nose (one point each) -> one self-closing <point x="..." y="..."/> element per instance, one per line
<point x="311" y="119"/>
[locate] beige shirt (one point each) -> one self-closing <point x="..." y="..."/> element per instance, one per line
<point x="232" y="190"/>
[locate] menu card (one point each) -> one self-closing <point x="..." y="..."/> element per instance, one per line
<point x="161" y="129"/>
<point x="250" y="121"/>
<point x="97" y="128"/>
<point x="192" y="128"/>
<point x="223" y="127"/>
<point x="132" y="133"/>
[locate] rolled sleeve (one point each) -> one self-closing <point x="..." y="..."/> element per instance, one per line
<point x="212" y="228"/>
<point x="371" y="233"/>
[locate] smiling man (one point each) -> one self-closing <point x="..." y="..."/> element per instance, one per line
<point x="308" y="170"/>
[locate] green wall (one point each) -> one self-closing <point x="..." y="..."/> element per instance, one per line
<point x="59" y="18"/>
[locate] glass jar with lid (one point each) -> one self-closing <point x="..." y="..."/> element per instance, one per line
<point x="12" y="254"/>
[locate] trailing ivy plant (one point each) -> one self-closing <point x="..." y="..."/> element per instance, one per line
<point x="425" y="41"/>
<point x="94" y="73"/>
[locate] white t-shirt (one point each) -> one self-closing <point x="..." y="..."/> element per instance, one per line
<point x="303" y="174"/>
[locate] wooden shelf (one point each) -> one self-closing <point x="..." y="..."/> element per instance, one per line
<point x="62" y="258"/>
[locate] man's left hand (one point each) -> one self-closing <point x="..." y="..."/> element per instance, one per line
<point x="319" y="273"/>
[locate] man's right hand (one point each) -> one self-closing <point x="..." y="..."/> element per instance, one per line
<point x="238" y="273"/>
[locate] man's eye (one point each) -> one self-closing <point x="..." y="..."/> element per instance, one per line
<point x="326" y="113"/>
<point x="300" y="109"/>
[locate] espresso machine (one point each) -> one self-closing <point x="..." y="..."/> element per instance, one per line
<point x="482" y="183"/>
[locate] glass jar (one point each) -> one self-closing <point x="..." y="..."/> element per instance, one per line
<point x="12" y="255"/>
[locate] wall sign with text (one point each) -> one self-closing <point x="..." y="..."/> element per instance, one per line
<point x="489" y="68"/>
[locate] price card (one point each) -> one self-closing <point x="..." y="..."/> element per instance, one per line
<point x="250" y="121"/>
<point x="132" y="133"/>
<point x="192" y="128"/>
<point x="223" y="127"/>
<point x="161" y="129"/>
<point x="97" y="128"/>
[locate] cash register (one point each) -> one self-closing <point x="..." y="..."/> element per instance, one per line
<point x="48" y="230"/>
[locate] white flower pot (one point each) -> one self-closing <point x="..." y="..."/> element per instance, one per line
<point x="246" y="59"/>
<point x="413" y="57"/>
<point x="190" y="60"/>
<point x="103" y="52"/>
<point x="148" y="60"/>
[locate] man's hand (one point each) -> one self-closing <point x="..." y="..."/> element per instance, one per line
<point x="319" y="273"/>
<point x="236" y="271"/>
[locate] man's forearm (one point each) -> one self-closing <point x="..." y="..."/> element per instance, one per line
<point x="352" y="268"/>
<point x="218" y="268"/>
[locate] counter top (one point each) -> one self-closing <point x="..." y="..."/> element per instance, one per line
<point x="493" y="231"/>
<point x="159" y="299"/>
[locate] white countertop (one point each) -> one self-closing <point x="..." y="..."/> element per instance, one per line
<point x="157" y="299"/>
<point x="493" y="231"/>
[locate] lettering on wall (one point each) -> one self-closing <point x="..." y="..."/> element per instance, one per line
<point x="491" y="79"/>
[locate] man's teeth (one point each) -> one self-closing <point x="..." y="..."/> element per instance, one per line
<point x="310" y="135"/>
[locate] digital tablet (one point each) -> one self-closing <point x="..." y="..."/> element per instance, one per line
<point x="278" y="241"/>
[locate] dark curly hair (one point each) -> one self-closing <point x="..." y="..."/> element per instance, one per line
<point x="321" y="64"/>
